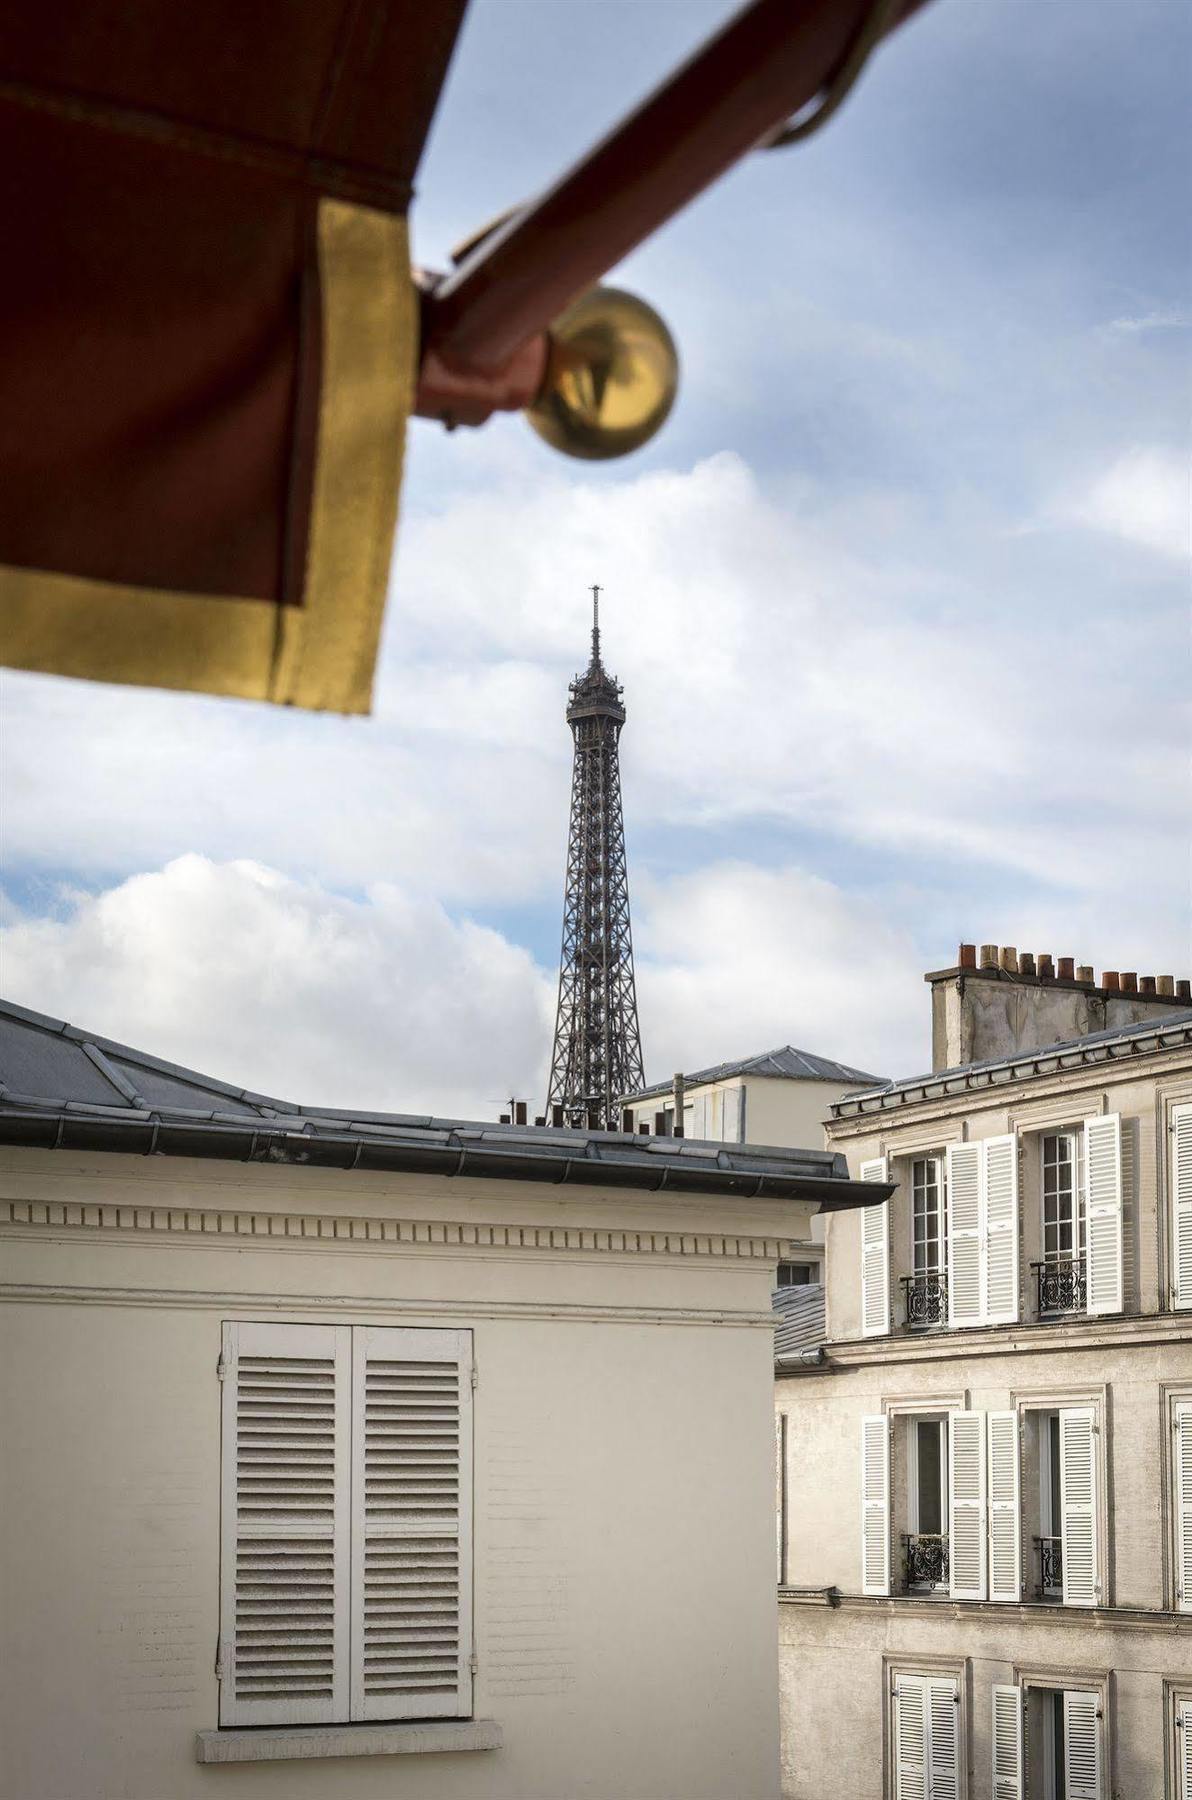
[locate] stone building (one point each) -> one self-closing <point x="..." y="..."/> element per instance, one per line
<point x="985" y="1471"/>
<point x="440" y="1450"/>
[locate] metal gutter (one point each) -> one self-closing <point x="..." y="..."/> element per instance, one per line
<point x="122" y="1132"/>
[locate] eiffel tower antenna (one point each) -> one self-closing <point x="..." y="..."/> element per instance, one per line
<point x="597" y="1053"/>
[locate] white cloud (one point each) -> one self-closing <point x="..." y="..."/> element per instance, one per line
<point x="278" y="985"/>
<point x="1146" y="498"/>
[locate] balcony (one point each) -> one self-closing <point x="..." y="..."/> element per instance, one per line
<point x="1049" y="1555"/>
<point x="1059" y="1286"/>
<point x="925" y="1299"/>
<point x="924" y="1561"/>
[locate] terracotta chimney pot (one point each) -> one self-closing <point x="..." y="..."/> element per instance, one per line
<point x="1183" y="990"/>
<point x="1166" y="984"/>
<point x="989" y="956"/>
<point x="968" y="956"/>
<point x="1111" y="981"/>
<point x="1129" y="981"/>
<point x="1146" y="984"/>
<point x="1026" y="963"/>
<point x="1046" y="966"/>
<point x="1085" y="973"/>
<point x="1009" y="959"/>
<point x="1067" y="968"/>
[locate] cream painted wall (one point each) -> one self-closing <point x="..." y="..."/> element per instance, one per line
<point x="624" y="1552"/>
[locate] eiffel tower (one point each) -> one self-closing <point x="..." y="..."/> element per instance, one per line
<point x="598" y="1054"/>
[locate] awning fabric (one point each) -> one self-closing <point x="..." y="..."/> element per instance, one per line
<point x="208" y="335"/>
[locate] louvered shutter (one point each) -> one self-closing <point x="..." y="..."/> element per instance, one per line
<point x="1183" y="1720"/>
<point x="966" y="1505"/>
<point x="411" y="1524"/>
<point x="1000" y="1306"/>
<point x="1078" y="1504"/>
<point x="1082" y="1747"/>
<point x="926" y="1738"/>
<point x="286" y="1422"/>
<point x="875" y="1257"/>
<point x="965" y="1295"/>
<point x="910" y="1738"/>
<point x="1182" y="1469"/>
<point x="1181" y="1204"/>
<point x="1103" y="1188"/>
<point x="1005" y="1554"/>
<point x="875" y="1504"/>
<point x="943" y="1740"/>
<point x="731" y="1128"/>
<point x="1007" y="1743"/>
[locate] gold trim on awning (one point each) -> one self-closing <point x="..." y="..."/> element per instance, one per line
<point x="321" y="654"/>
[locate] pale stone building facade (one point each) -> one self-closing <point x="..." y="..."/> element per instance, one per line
<point x="985" y="1478"/>
<point x="373" y="1455"/>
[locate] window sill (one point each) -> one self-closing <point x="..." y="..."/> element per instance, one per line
<point x="283" y="1743"/>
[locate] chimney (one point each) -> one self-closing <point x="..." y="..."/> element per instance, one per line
<point x="679" y="1093"/>
<point x="999" y="1001"/>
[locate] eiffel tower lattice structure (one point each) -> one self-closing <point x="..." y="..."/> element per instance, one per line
<point x="597" y="1054"/>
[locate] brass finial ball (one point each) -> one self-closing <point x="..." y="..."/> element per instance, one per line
<point x="611" y="376"/>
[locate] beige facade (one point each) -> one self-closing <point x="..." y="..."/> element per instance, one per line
<point x="619" y="1552"/>
<point x="980" y="1518"/>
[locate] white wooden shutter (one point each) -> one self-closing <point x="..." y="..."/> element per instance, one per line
<point x="943" y="1739"/>
<point x="1183" y="1722"/>
<point x="965" y="1286"/>
<point x="1078" y="1505"/>
<point x="731" y="1126"/>
<point x="1182" y="1469"/>
<point x="1181" y="1205"/>
<point x="1007" y="1743"/>
<point x="1005" y="1537"/>
<point x="875" y="1257"/>
<point x="926" y="1738"/>
<point x="1103" y="1189"/>
<point x="910" y="1738"/>
<point x="411" y="1523"/>
<point x="1082" y="1747"/>
<point x="966" y="1505"/>
<point x="875" y="1504"/>
<point x="286" y="1420"/>
<point x="1001" y="1230"/>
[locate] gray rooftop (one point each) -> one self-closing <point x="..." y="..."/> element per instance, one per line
<point x="62" y="1088"/>
<point x="787" y="1063"/>
<point x="1145" y="1037"/>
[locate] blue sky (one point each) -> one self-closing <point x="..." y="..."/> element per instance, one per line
<point x="899" y="598"/>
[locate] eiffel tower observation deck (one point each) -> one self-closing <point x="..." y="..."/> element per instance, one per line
<point x="597" y="1052"/>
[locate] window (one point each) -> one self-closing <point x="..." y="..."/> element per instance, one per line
<point x="925" y="1289"/>
<point x="925" y="1545"/>
<point x="346" y="1511"/>
<point x="797" y="1274"/>
<point x="1181" y="1470"/>
<point x="926" y="1736"/>
<point x="1056" y="1751"/>
<point x="1061" y="1276"/>
<point x="929" y="1214"/>
<point x="1062" y="1495"/>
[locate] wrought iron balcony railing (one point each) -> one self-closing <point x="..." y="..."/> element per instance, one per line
<point x="925" y="1299"/>
<point x="924" y="1560"/>
<point x="1060" y="1285"/>
<point x="1050" y="1552"/>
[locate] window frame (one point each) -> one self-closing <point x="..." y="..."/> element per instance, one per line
<point x="1032" y="1678"/>
<point x="938" y="1211"/>
<point x="1073" y="1137"/>
<point x="942" y="1668"/>
<point x="1046" y="1400"/>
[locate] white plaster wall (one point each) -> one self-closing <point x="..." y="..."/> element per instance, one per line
<point x="624" y="1546"/>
